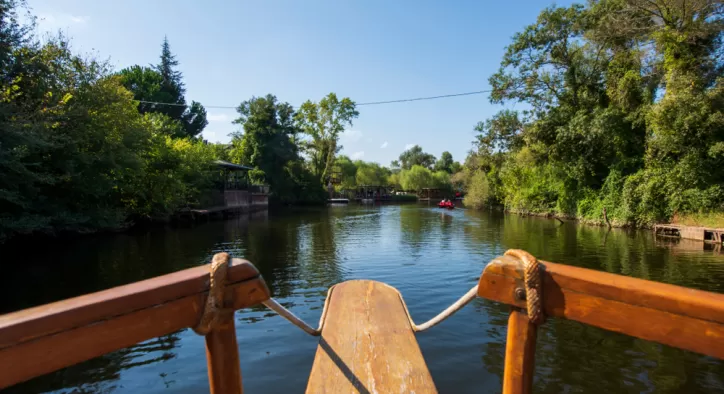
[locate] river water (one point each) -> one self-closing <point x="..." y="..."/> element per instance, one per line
<point x="431" y="256"/>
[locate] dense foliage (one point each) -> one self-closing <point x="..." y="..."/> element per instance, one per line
<point x="623" y="114"/>
<point x="75" y="152"/>
<point x="84" y="148"/>
<point x="621" y="117"/>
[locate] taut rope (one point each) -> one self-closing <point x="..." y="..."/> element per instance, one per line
<point x="456" y="306"/>
<point x="272" y="304"/>
<point x="214" y="309"/>
<point x="287" y="314"/>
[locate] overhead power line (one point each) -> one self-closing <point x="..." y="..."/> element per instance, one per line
<point x="184" y="105"/>
<point x="358" y="104"/>
<point x="426" y="98"/>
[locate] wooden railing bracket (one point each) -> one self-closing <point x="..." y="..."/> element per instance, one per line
<point x="671" y="315"/>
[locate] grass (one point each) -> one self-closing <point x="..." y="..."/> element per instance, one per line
<point x="711" y="219"/>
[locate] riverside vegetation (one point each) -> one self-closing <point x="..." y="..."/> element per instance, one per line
<point x="80" y="152"/>
<point x="620" y="119"/>
<point x="623" y="114"/>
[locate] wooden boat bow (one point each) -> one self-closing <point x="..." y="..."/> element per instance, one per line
<point x="367" y="336"/>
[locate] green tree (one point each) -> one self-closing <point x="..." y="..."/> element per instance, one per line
<point x="442" y="180"/>
<point x="478" y="191"/>
<point x="445" y="163"/>
<point x="347" y="170"/>
<point x="145" y="83"/>
<point x="371" y="174"/>
<point x="172" y="86"/>
<point x="163" y="84"/>
<point x="267" y="144"/>
<point x="394" y="180"/>
<point x="417" y="178"/>
<point x="13" y="33"/>
<point x="416" y="157"/>
<point x="71" y="144"/>
<point x="323" y="122"/>
<point x="395" y="166"/>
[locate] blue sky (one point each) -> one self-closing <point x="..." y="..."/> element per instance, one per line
<point x="298" y="50"/>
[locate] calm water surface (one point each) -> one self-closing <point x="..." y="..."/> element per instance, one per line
<point x="431" y="256"/>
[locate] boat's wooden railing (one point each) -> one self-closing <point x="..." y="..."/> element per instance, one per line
<point x="44" y="339"/>
<point x="671" y="315"/>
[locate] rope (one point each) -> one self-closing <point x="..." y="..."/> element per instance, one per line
<point x="442" y="316"/>
<point x="214" y="310"/>
<point x="292" y="318"/>
<point x="287" y="314"/>
<point x="533" y="290"/>
<point x="533" y="285"/>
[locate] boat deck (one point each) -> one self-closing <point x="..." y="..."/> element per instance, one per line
<point x="367" y="344"/>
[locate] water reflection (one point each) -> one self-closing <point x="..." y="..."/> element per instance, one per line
<point x="431" y="255"/>
<point x="100" y="374"/>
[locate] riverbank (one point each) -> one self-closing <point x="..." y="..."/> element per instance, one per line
<point x="710" y="220"/>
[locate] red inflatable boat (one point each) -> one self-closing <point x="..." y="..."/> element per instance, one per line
<point x="446" y="204"/>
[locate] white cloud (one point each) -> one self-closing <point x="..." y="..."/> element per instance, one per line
<point x="409" y="146"/>
<point x="217" y="117"/>
<point x="384" y="145"/>
<point x="78" y="19"/>
<point x="352" y="135"/>
<point x="357" y="155"/>
<point x="55" y="21"/>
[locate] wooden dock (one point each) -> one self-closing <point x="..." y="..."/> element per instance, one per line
<point x="706" y="234"/>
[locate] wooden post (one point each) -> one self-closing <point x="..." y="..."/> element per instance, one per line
<point x="519" y="354"/>
<point x="222" y="358"/>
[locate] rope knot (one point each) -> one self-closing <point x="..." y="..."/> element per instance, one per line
<point x="533" y="284"/>
<point x="214" y="310"/>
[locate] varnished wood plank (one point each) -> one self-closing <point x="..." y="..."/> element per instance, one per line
<point x="367" y="344"/>
<point x="85" y="331"/>
<point x="672" y="315"/>
<point x="59" y="316"/>
<point x="222" y="355"/>
<point x="519" y="354"/>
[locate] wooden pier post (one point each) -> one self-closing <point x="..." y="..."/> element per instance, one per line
<point x="519" y="354"/>
<point x="222" y="358"/>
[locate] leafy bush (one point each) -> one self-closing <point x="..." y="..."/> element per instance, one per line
<point x="478" y="192"/>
